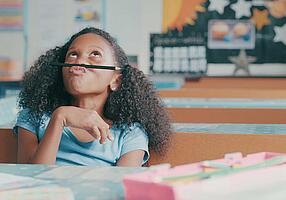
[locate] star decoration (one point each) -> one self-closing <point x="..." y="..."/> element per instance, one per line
<point x="242" y="8"/>
<point x="280" y="34"/>
<point x="188" y="13"/>
<point x="260" y="18"/>
<point x="277" y="8"/>
<point x="241" y="62"/>
<point x="218" y="5"/>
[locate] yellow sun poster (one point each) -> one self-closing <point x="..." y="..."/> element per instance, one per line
<point x="180" y="12"/>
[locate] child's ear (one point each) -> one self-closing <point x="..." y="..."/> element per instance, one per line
<point x="115" y="82"/>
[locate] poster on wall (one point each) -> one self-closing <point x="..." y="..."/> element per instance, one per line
<point x="11" y="15"/>
<point x="180" y="55"/>
<point x="89" y="13"/>
<point x="268" y="19"/>
<point x="12" y="40"/>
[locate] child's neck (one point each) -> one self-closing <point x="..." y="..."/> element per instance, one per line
<point x="92" y="102"/>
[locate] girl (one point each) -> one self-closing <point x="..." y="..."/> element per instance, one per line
<point x="85" y="116"/>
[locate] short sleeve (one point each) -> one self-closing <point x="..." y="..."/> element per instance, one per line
<point x="24" y="121"/>
<point x="136" y="139"/>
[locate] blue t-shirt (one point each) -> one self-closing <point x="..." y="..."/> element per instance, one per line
<point x="74" y="152"/>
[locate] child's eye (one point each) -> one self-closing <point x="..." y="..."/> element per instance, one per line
<point x="72" y="55"/>
<point x="96" y="54"/>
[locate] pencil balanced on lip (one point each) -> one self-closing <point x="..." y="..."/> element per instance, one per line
<point x="87" y="66"/>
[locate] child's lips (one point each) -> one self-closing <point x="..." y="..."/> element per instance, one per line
<point x="77" y="70"/>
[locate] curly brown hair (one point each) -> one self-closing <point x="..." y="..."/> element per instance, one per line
<point x="134" y="101"/>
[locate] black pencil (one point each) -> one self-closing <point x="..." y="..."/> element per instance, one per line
<point x="86" y="66"/>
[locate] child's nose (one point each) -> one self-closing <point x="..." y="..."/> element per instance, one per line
<point x="82" y="60"/>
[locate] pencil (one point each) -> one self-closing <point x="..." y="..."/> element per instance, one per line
<point x="87" y="66"/>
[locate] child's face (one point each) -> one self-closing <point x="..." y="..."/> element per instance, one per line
<point x="94" y="50"/>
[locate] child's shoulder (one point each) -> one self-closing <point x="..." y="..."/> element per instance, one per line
<point x="136" y="125"/>
<point x="28" y="116"/>
<point x="24" y="115"/>
<point x="134" y="128"/>
<point x="128" y="127"/>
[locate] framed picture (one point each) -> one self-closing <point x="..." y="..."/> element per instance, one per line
<point x="231" y="34"/>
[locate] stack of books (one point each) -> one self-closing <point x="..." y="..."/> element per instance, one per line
<point x="233" y="177"/>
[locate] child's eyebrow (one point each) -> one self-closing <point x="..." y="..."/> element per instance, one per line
<point x="90" y="47"/>
<point x="87" y="66"/>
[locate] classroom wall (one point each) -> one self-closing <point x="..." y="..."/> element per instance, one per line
<point x="129" y="21"/>
<point x="51" y="23"/>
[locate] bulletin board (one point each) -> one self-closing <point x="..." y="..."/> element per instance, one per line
<point x="183" y="17"/>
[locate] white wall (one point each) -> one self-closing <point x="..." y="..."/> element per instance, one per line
<point x="131" y="22"/>
<point x="51" y="23"/>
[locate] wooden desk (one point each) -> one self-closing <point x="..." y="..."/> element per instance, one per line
<point x="16" y="78"/>
<point x="238" y="82"/>
<point x="195" y="147"/>
<point x="224" y="93"/>
<point x="228" y="115"/>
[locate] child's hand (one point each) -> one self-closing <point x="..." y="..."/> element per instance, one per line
<point x="88" y="120"/>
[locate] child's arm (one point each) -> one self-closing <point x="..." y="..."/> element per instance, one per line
<point x="134" y="149"/>
<point x="29" y="151"/>
<point x="131" y="159"/>
<point x="45" y="152"/>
